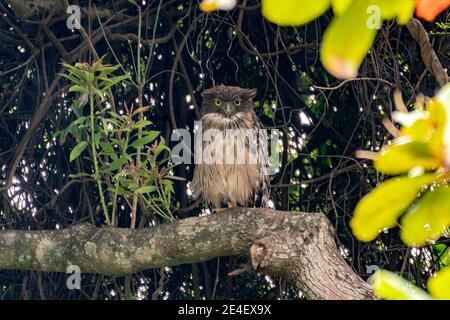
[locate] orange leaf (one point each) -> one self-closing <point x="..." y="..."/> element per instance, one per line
<point x="430" y="9"/>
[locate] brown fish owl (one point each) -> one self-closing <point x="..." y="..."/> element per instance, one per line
<point x="228" y="113"/>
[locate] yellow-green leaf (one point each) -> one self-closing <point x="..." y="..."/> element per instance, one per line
<point x="421" y="130"/>
<point x="400" y="9"/>
<point x="399" y="158"/>
<point x="443" y="97"/>
<point x="439" y="115"/>
<point x="339" y="6"/>
<point x="388" y="285"/>
<point x="428" y="219"/>
<point x="381" y="208"/>
<point x="293" y="12"/>
<point x="439" y="286"/>
<point x="347" y="41"/>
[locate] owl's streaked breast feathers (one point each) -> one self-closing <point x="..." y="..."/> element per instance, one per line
<point x="230" y="109"/>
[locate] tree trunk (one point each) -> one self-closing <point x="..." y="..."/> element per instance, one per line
<point x="297" y="246"/>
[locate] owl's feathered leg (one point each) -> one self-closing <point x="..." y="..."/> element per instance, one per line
<point x="229" y="206"/>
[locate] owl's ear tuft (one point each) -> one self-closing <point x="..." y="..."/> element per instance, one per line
<point x="206" y="94"/>
<point x="251" y="93"/>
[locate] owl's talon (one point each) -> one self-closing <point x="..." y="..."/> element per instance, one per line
<point x="229" y="206"/>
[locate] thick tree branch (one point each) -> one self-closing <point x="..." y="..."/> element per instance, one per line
<point x="429" y="56"/>
<point x="297" y="246"/>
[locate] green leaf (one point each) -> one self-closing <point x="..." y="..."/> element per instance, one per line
<point x="81" y="120"/>
<point x="401" y="157"/>
<point x="79" y="148"/>
<point x="439" y="285"/>
<point x="117" y="164"/>
<point x="100" y="94"/>
<point x="77" y="88"/>
<point x="151" y="179"/>
<point x="107" y="148"/>
<point x="79" y="175"/>
<point x="441" y="254"/>
<point x="149" y="137"/>
<point x="77" y="109"/>
<point x="388" y="285"/>
<point x="267" y="109"/>
<point x="381" y="208"/>
<point x="112" y="81"/>
<point x="89" y="76"/>
<point x="106" y="70"/>
<point x="161" y="147"/>
<point x="146" y="189"/>
<point x="62" y="134"/>
<point x="347" y="40"/>
<point x="120" y="191"/>
<point x="78" y="68"/>
<point x="114" y="122"/>
<point x="428" y="219"/>
<point x="168" y="186"/>
<point x="72" y="78"/>
<point x="293" y="12"/>
<point x="141" y="124"/>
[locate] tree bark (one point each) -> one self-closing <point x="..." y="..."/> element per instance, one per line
<point x="429" y="56"/>
<point x="297" y="246"/>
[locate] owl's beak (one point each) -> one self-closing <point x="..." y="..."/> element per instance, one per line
<point x="228" y="108"/>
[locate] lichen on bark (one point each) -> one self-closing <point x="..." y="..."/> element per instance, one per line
<point x="298" y="246"/>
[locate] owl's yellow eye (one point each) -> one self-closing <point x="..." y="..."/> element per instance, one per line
<point x="237" y="102"/>
<point x="218" y="102"/>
